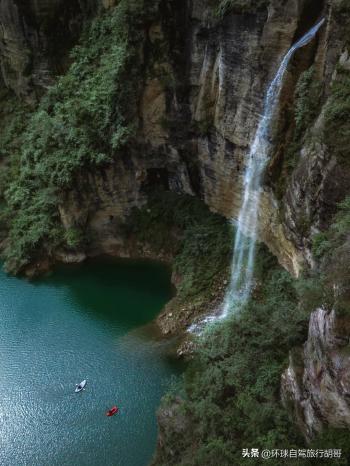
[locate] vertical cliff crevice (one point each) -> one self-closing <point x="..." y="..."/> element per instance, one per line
<point x="35" y="39"/>
<point x="311" y="180"/>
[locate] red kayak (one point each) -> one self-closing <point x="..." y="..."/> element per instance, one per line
<point x="112" y="411"/>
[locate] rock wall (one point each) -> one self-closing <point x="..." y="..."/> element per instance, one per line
<point x="195" y="128"/>
<point x="316" y="385"/>
<point x="319" y="181"/>
<point x="35" y="38"/>
<point x="194" y="137"/>
<point x="195" y="132"/>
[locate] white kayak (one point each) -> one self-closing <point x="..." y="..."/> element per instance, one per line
<point x="81" y="386"/>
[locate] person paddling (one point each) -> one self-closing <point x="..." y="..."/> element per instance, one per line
<point x="112" y="411"/>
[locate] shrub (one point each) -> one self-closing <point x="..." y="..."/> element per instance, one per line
<point x="312" y="292"/>
<point x="337" y="114"/>
<point x="200" y="240"/>
<point x="320" y="245"/>
<point x="74" y="237"/>
<point x="85" y="119"/>
<point x="14" y="116"/>
<point x="331" y="439"/>
<point x="306" y="101"/>
<point x="332" y="250"/>
<point x="335" y="263"/>
<point x="232" y="386"/>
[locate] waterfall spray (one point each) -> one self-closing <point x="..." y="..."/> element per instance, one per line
<point x="244" y="246"/>
<point x="240" y="285"/>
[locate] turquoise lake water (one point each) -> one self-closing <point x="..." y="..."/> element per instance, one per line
<point x="82" y="322"/>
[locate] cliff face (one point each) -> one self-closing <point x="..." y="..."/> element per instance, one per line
<point x="194" y="128"/>
<point x="35" y="37"/>
<point x="195" y="132"/>
<point x="200" y="101"/>
<point x="316" y="386"/>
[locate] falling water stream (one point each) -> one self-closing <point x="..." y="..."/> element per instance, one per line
<point x="240" y="284"/>
<point x="244" y="246"/>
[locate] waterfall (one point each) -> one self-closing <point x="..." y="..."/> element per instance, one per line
<point x="240" y="284"/>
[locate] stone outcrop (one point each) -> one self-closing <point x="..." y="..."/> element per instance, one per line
<point x="196" y="129"/>
<point x="316" y="385"/>
<point x="196" y="122"/>
<point x="35" y="38"/>
<point x="195" y="132"/>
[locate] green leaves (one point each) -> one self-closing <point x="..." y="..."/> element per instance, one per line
<point x="320" y="245"/>
<point x="233" y="383"/>
<point x="337" y="114"/>
<point x="83" y="121"/>
<point x="34" y="225"/>
<point x="341" y="227"/>
<point x="330" y="284"/>
<point x="307" y="101"/>
<point x="202" y="247"/>
<point x="74" y="237"/>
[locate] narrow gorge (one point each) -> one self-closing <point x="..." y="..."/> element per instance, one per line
<point x="163" y="129"/>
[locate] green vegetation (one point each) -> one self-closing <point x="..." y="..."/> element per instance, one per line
<point x="320" y="245"/>
<point x="229" y="398"/>
<point x="199" y="240"/>
<point x="231" y="391"/>
<point x="332" y="249"/>
<point x="329" y="284"/>
<point x="74" y="237"/>
<point x="307" y="102"/>
<point x="328" y="439"/>
<point x="14" y="118"/>
<point x="337" y="131"/>
<point x="85" y="119"/>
